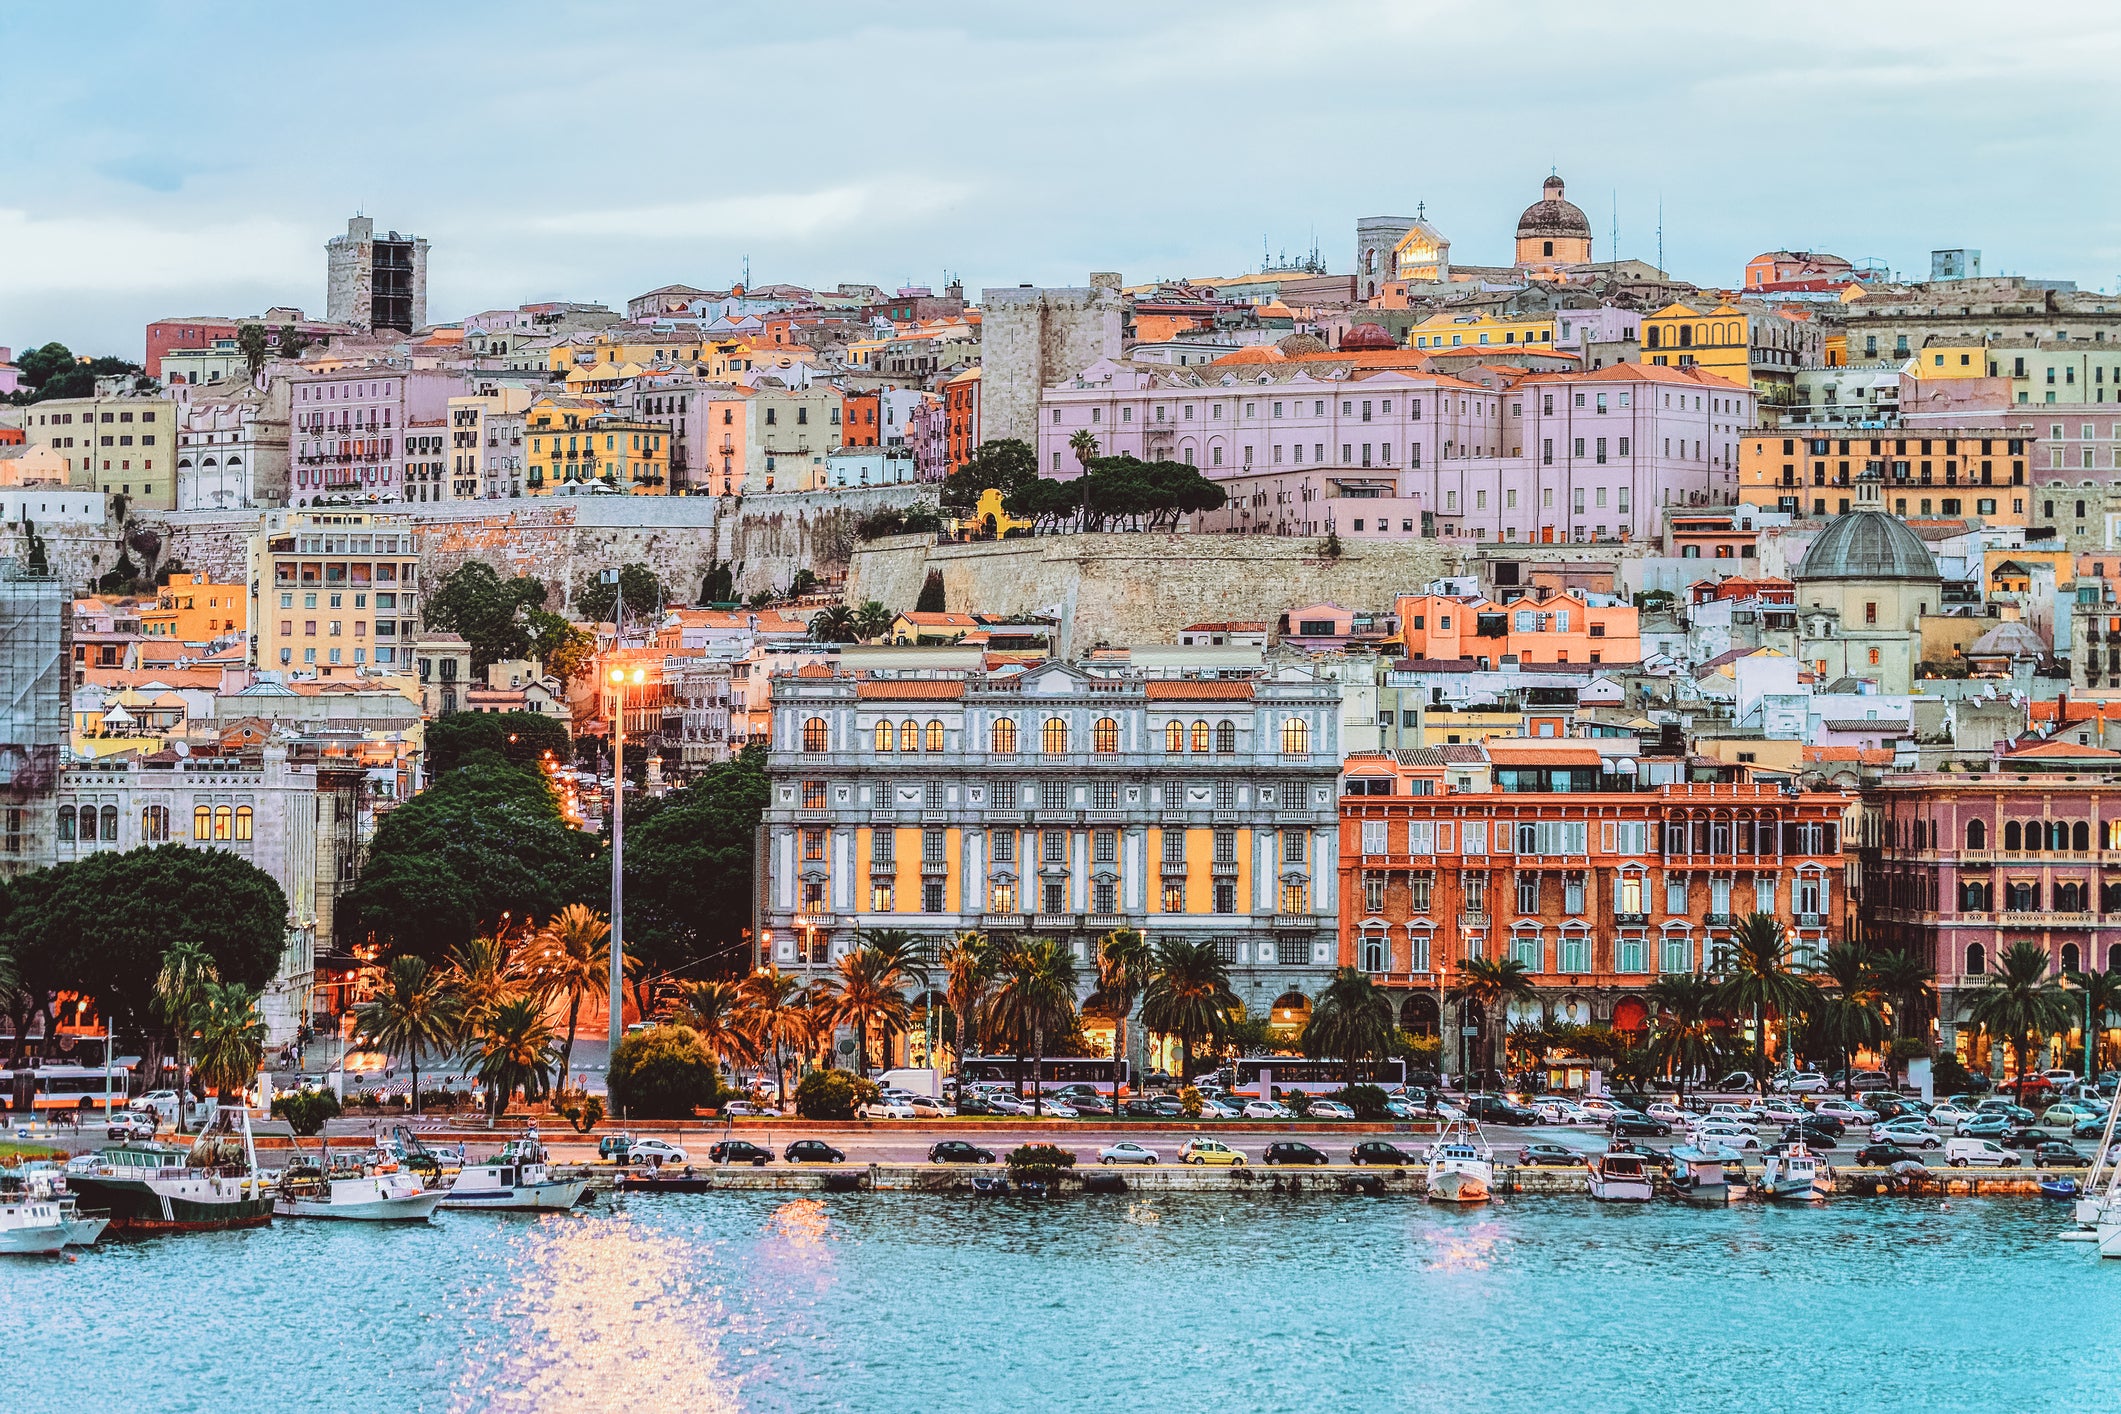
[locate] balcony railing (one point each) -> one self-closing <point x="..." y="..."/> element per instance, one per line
<point x="1631" y="920"/>
<point x="1053" y="921"/>
<point x="1293" y="922"/>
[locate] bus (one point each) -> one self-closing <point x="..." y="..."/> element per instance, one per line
<point x="1254" y="1074"/>
<point x="1053" y="1073"/>
<point x="43" y="1088"/>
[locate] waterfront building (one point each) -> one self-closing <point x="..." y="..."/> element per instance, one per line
<point x="333" y="591"/>
<point x="1573" y="862"/>
<point x="1056" y="802"/>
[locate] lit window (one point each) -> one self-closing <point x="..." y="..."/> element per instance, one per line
<point x="814" y="737"/>
<point x="1055" y="738"/>
<point x="1104" y="736"/>
<point x="1005" y="739"/>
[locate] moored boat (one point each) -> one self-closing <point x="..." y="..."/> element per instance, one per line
<point x="354" y="1190"/>
<point x="158" y="1188"/>
<point x="1699" y="1175"/>
<point x="1618" y="1176"/>
<point x="30" y="1225"/>
<point x="45" y="1180"/>
<point x="519" y="1179"/>
<point x="1461" y="1166"/>
<point x="1795" y="1173"/>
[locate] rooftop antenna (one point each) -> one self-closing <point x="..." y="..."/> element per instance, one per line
<point x="1612" y="255"/>
<point x="1660" y="233"/>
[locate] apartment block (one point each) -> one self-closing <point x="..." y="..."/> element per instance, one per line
<point x="333" y="592"/>
<point x="123" y="446"/>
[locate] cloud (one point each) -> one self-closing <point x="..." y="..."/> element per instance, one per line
<point x="789" y="216"/>
<point x="121" y="253"/>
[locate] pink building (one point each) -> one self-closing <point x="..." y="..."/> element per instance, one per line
<point x="1312" y="442"/>
<point x="10" y="376"/>
<point x="348" y="428"/>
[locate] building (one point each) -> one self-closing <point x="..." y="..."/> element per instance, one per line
<point x="333" y="591"/>
<point x="190" y="608"/>
<point x="233" y="447"/>
<point x="123" y="445"/>
<point x="1552" y="233"/>
<point x="1942" y="471"/>
<point x="215" y="339"/>
<point x="769" y="438"/>
<point x="1863" y="588"/>
<point x="1032" y="340"/>
<point x="375" y="282"/>
<point x="1531" y="630"/>
<point x="486" y="444"/>
<point x="962" y="434"/>
<point x="1053" y="803"/>
<point x="36" y="650"/>
<point x="442" y="667"/>
<point x="1597" y="882"/>
<point x="1756" y="347"/>
<point x="1377" y="238"/>
<point x="350" y="424"/>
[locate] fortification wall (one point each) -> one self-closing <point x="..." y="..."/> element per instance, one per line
<point x="772" y="536"/>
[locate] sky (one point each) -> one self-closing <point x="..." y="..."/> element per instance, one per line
<point x="174" y="159"/>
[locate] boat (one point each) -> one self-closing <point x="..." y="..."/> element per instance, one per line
<point x="1618" y="1176"/>
<point x="1794" y="1173"/>
<point x="355" y="1189"/>
<point x="1699" y="1175"/>
<point x="159" y="1188"/>
<point x="30" y="1224"/>
<point x="47" y="1180"/>
<point x="659" y="1181"/>
<point x="2058" y="1190"/>
<point x="1461" y="1165"/>
<point x="990" y="1183"/>
<point x="519" y="1179"/>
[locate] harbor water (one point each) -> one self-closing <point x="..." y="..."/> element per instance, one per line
<point x="878" y="1302"/>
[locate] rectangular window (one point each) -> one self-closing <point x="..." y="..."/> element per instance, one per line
<point x="931" y="847"/>
<point x="1107" y="851"/>
<point x="1475" y="837"/>
<point x="1630" y="955"/>
<point x="1527" y="893"/>
<point x="1530" y="950"/>
<point x="1005" y="846"/>
<point x="932" y="896"/>
<point x="1575" y="952"/>
<point x="1373" y="893"/>
<point x="1174" y="898"/>
<point x="1373" y="838"/>
<point x="1225" y="896"/>
<point x="1174" y="846"/>
<point x="1054" y="846"/>
<point x="1572" y="896"/>
<point x="1675" y="897"/>
<point x="1675" y="953"/>
<point x="1420" y="889"/>
<point x="1293" y="843"/>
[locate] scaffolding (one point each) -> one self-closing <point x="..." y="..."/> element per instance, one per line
<point x="35" y="619"/>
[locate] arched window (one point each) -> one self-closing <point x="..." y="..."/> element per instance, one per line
<point x="2011" y="841"/>
<point x="1005" y="736"/>
<point x="223" y="820"/>
<point x="1226" y="736"/>
<point x="202" y="823"/>
<point x="1200" y="736"/>
<point x="2070" y="958"/>
<point x="1976" y="835"/>
<point x="2057" y="835"/>
<point x="243" y="818"/>
<point x="1104" y="736"/>
<point x="1976" y="958"/>
<point x="2080" y="836"/>
<point x="935" y="736"/>
<point x="2069" y="897"/>
<point x="909" y="736"/>
<point x="1973" y="896"/>
<point x="1174" y="737"/>
<point x="1295" y="737"/>
<point x="2022" y="896"/>
<point x="884" y="736"/>
<point x="2113" y="957"/>
<point x="814" y="736"/>
<point x="66" y="824"/>
<point x="1054" y="740"/>
<point x="1373" y="952"/>
<point x="154" y="823"/>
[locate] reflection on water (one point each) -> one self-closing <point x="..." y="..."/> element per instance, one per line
<point x="887" y="1302"/>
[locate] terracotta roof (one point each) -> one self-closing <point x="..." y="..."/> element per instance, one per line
<point x="1531" y="751"/>
<point x="1198" y="690"/>
<point x="2055" y="747"/>
<point x="814" y="670"/>
<point x="929" y="618"/>
<point x="910" y="690"/>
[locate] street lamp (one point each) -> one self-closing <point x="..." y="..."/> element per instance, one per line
<point x="619" y="678"/>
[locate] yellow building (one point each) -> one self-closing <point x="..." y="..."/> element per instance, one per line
<point x="1758" y="349"/>
<point x="193" y="609"/>
<point x="573" y="441"/>
<point x="1950" y="361"/>
<point x="1447" y="331"/>
<point x="333" y="591"/>
<point x="1951" y="474"/>
<point x="1423" y="256"/>
<point x="121" y="446"/>
<point x="626" y="347"/>
<point x="1439" y="728"/>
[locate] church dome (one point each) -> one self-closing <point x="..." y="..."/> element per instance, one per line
<point x="1552" y="216"/>
<point x="1297" y="345"/>
<point x="1867" y="544"/>
<point x="1367" y="336"/>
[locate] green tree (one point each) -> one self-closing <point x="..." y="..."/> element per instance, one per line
<point x="637" y="586"/>
<point x="2020" y="1001"/>
<point x="1683" y="1039"/>
<point x="306" y="1110"/>
<point x="665" y="1072"/>
<point x="251" y="343"/>
<point x="1351" y="1021"/>
<point x="773" y="1005"/>
<point x="486" y="611"/>
<point x="521" y="738"/>
<point x="1124" y="962"/>
<point x="690" y="869"/>
<point x="871" y="621"/>
<point x="714" y="1011"/>
<point x="1759" y="975"/>
<point x="231" y="1038"/>
<point x="1004" y="465"/>
<point x="567" y="651"/>
<point x="1491" y="984"/>
<point x="833" y="625"/>
<point x="826" y="1094"/>
<point x="2100" y="996"/>
<point x="1907" y="983"/>
<point x="572" y="960"/>
<point x="292" y="342"/>
<point x="931" y="600"/>
<point x="968" y="973"/>
<point x="719" y="585"/>
<point x="513" y="1051"/>
<point x="413" y="1011"/>
<point x="180" y="994"/>
<point x="1034" y="1002"/>
<point x="1189" y="997"/>
<point x="1847" y="1015"/>
<point x="866" y="989"/>
<point x="482" y="976"/>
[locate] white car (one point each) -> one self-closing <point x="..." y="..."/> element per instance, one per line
<point x="1220" y="1109"/>
<point x="1668" y="1112"/>
<point x="1555" y="1109"/>
<point x="1778" y="1111"/>
<point x="1599" y="1110"/>
<point x="1266" y="1109"/>
<point x="654" y="1151"/>
<point x="737" y="1108"/>
<point x="1950" y="1114"/>
<point x="1734" y="1113"/>
<point x="1910" y="1133"/>
<point x="162" y="1102"/>
<point x="1803" y="1083"/>
<point x="1728" y="1135"/>
<point x="1007" y="1105"/>
<point x="1847" y="1111"/>
<point x="927" y="1106"/>
<point x="1053" y="1108"/>
<point x="1330" y="1109"/>
<point x="887" y="1108"/>
<point x="1126" y="1151"/>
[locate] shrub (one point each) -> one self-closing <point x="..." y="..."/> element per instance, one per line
<point x="1189" y="1102"/>
<point x="306" y="1110"/>
<point x="825" y="1094"/>
<point x="1298" y="1101"/>
<point x="664" y="1072"/>
<point x="1368" y="1101"/>
<point x="1039" y="1161"/>
<point x="584" y="1112"/>
<point x="1948" y="1076"/>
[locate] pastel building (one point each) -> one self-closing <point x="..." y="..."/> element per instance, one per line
<point x="349" y="427"/>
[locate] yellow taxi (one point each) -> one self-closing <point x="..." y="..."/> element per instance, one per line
<point x="1209" y="1151"/>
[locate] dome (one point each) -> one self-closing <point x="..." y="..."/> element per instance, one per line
<point x="1297" y="345"/>
<point x="1552" y="216"/>
<point x="1367" y="336"/>
<point x="1867" y="544"/>
<point x="2010" y="639"/>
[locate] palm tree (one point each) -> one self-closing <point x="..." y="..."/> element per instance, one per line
<point x="833" y="625"/>
<point x="482" y="975"/>
<point x="1084" y="445"/>
<point x="514" y="1052"/>
<point x="1491" y="984"/>
<point x="968" y="969"/>
<point x="413" y="1011"/>
<point x="1036" y="1000"/>
<point x="906" y="950"/>
<point x="714" y="1010"/>
<point x="231" y="1037"/>
<point x="771" y="1003"/>
<point x="573" y="960"/>
<point x="1685" y="1038"/>
<point x="1188" y="996"/>
<point x="2020" y="1000"/>
<point x="1848" y="1015"/>
<point x="2102" y="997"/>
<point x="1124" y="959"/>
<point x="1907" y="983"/>
<point x="872" y="621"/>
<point x="1759" y="977"/>
<point x="180" y="988"/>
<point x="1352" y="1019"/>
<point x="869" y="988"/>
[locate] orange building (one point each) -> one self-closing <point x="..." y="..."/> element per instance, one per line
<point x="961" y="429"/>
<point x="1561" y="628"/>
<point x="1953" y="473"/>
<point x="193" y="609"/>
<point x="860" y="415"/>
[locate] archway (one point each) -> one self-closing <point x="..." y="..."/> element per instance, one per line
<point x="1630" y="1017"/>
<point x="1418" y="1015"/>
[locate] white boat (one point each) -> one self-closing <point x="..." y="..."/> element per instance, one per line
<point x="356" y="1192"/>
<point x="1795" y="1173"/>
<point x="1461" y="1166"/>
<point x="30" y="1224"/>
<point x="518" y="1179"/>
<point x="2099" y="1209"/>
<point x="1618" y="1177"/>
<point x="46" y="1180"/>
<point x="1699" y="1176"/>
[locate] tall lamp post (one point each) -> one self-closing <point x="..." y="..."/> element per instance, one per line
<point x="620" y="677"/>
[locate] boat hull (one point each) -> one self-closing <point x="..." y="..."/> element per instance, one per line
<point x="523" y="1198"/>
<point x="38" y="1241"/>
<point x="1620" y="1190"/>
<point x="1459" y="1186"/>
<point x="147" y="1206"/>
<point x="406" y="1208"/>
<point x="2109" y="1235"/>
<point x="83" y="1232"/>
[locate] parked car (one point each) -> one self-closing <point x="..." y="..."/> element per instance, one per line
<point x="2088" y="1128"/>
<point x="1329" y="1109"/>
<point x="1534" y="1155"/>
<point x="1558" y="1109"/>
<point x="1803" y="1082"/>
<point x="1997" y="1105"/>
<point x="2025" y="1136"/>
<point x="1735" y="1081"/>
<point x="1223" y="1109"/>
<point x="885" y="1107"/>
<point x="1495" y="1109"/>
<point x="1096" y="1106"/>
<point x="1050" y="1108"/>
<point x="1949" y="1113"/>
<point x="1728" y="1135"/>
<point x="1378" y="1151"/>
<point x="1810" y="1135"/>
<point x="958" y="1151"/>
<point x="1883" y="1154"/>
<point x="1140" y="1107"/>
<point x="1291" y="1151"/>
<point x="1266" y="1109"/>
<point x="1987" y="1152"/>
<point x="123" y="1125"/>
<point x="655" y="1151"/>
<point x="926" y="1106"/>
<point x="1988" y="1126"/>
<point x="1668" y="1112"/>
<point x="1846" y="1112"/>
<point x="1635" y="1122"/>
<point x="1598" y="1108"/>
<point x="738" y="1108"/>
<point x="1779" y="1112"/>
<point x="1825" y="1124"/>
<point x="1126" y="1151"/>
<point x="162" y="1102"/>
<point x="2062" y="1155"/>
<point x="2065" y="1114"/>
<point x="1210" y="1152"/>
<point x="740" y="1151"/>
<point x="1912" y="1133"/>
<point x="813" y="1151"/>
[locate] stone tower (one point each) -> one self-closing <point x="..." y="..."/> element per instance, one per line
<point x="1033" y="339"/>
<point x="375" y="282"/>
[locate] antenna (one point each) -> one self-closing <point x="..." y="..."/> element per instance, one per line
<point x="1660" y="233"/>
<point x="1612" y="255"/>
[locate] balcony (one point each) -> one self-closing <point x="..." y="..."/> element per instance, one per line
<point x="935" y="866"/>
<point x="1054" y="922"/>
<point x="1811" y="920"/>
<point x="2049" y="920"/>
<point x="1002" y="922"/>
<point x="1631" y="920"/>
<point x="1294" y="923"/>
<point x="1106" y="922"/>
<point x="1224" y="869"/>
<point x="1174" y="868"/>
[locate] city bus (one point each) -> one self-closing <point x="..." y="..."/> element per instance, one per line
<point x="1313" y="1077"/>
<point x="1052" y="1073"/>
<point x="44" y="1088"/>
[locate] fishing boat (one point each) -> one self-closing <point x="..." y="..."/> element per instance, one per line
<point x="46" y="1180"/>
<point x="1699" y="1175"/>
<point x="30" y="1225"/>
<point x="1461" y="1165"/>
<point x="518" y="1179"/>
<point x="1618" y="1176"/>
<point x="1794" y="1173"/>
<point x="158" y="1188"/>
<point x="354" y="1188"/>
